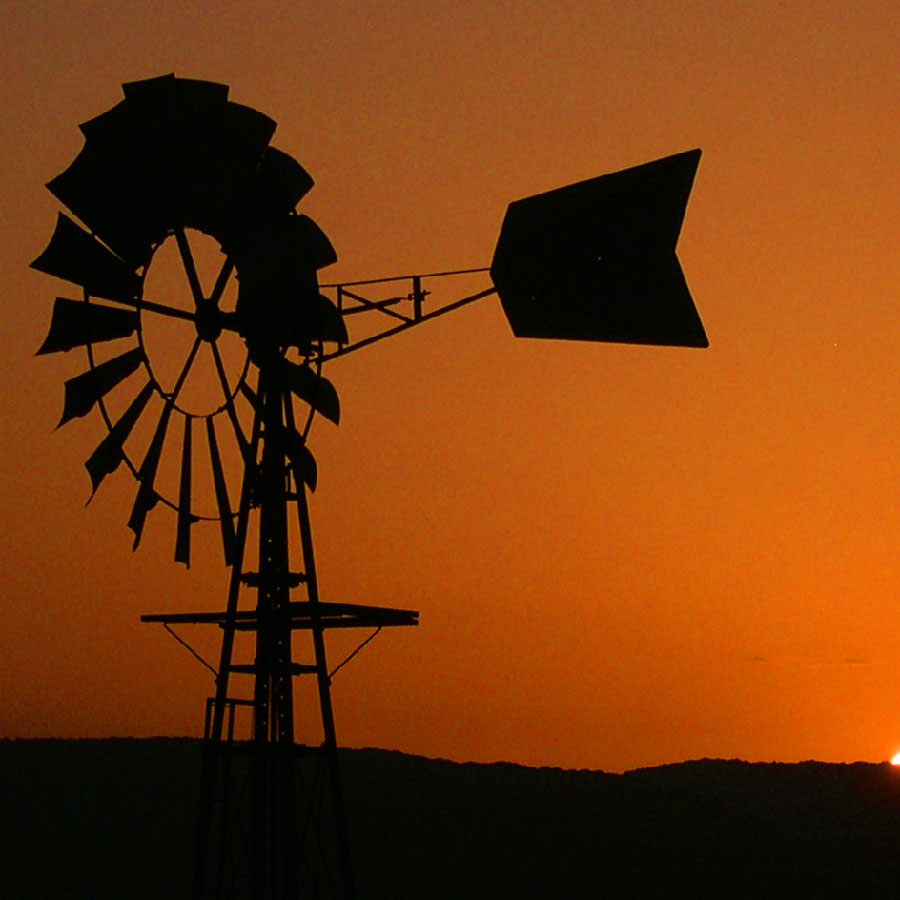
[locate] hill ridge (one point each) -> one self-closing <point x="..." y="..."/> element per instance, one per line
<point x="435" y="828"/>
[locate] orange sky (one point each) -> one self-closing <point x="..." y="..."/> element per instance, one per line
<point x="622" y="556"/>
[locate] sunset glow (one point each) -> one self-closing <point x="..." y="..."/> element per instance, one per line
<point x="622" y="556"/>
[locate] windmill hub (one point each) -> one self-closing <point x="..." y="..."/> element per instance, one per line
<point x="208" y="321"/>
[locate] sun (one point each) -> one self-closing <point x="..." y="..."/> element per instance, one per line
<point x="895" y="761"/>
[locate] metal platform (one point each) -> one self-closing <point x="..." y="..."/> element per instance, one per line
<point x="301" y="616"/>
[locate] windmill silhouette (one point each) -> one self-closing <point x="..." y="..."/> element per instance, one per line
<point x="176" y="163"/>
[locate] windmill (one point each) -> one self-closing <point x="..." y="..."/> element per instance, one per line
<point x="174" y="165"/>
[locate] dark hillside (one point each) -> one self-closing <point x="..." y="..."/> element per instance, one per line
<point x="115" y="818"/>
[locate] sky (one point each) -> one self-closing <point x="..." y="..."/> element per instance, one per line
<point x="622" y="556"/>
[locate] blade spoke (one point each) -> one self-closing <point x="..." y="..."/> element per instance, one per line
<point x="179" y="384"/>
<point x="163" y="310"/>
<point x="187" y="259"/>
<point x="76" y="323"/>
<point x="229" y="403"/>
<point x="185" y="519"/>
<point x="75" y="255"/>
<point x="83" y="391"/>
<point x="141" y="304"/>
<point x="221" y="488"/>
<point x="222" y="281"/>
<point x="146" y="496"/>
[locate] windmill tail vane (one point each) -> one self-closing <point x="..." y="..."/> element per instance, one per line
<point x="174" y="166"/>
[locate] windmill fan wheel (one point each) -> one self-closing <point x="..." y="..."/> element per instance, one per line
<point x="173" y="161"/>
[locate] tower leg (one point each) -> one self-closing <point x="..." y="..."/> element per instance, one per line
<point x="324" y="685"/>
<point x="214" y="778"/>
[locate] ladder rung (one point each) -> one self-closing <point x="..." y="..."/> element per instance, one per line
<point x="294" y="579"/>
<point x="231" y="701"/>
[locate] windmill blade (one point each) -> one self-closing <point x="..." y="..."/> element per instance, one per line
<point x="307" y="243"/>
<point x="278" y="300"/>
<point x="162" y="90"/>
<point x="109" y="204"/>
<point x="303" y="321"/>
<point x="75" y="256"/>
<point x="140" y="138"/>
<point x="280" y="254"/>
<point x="188" y="147"/>
<point x="596" y="260"/>
<point x="109" y="453"/>
<point x="147" y="497"/>
<point x="326" y="321"/>
<point x="313" y="389"/>
<point x="76" y="323"/>
<point x="185" y="519"/>
<point x="214" y="169"/>
<point x="281" y="182"/>
<point x="226" y="520"/>
<point x="133" y="90"/>
<point x="249" y="127"/>
<point x="302" y="460"/>
<point x="83" y="391"/>
<point x="295" y="319"/>
<point x="119" y="142"/>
